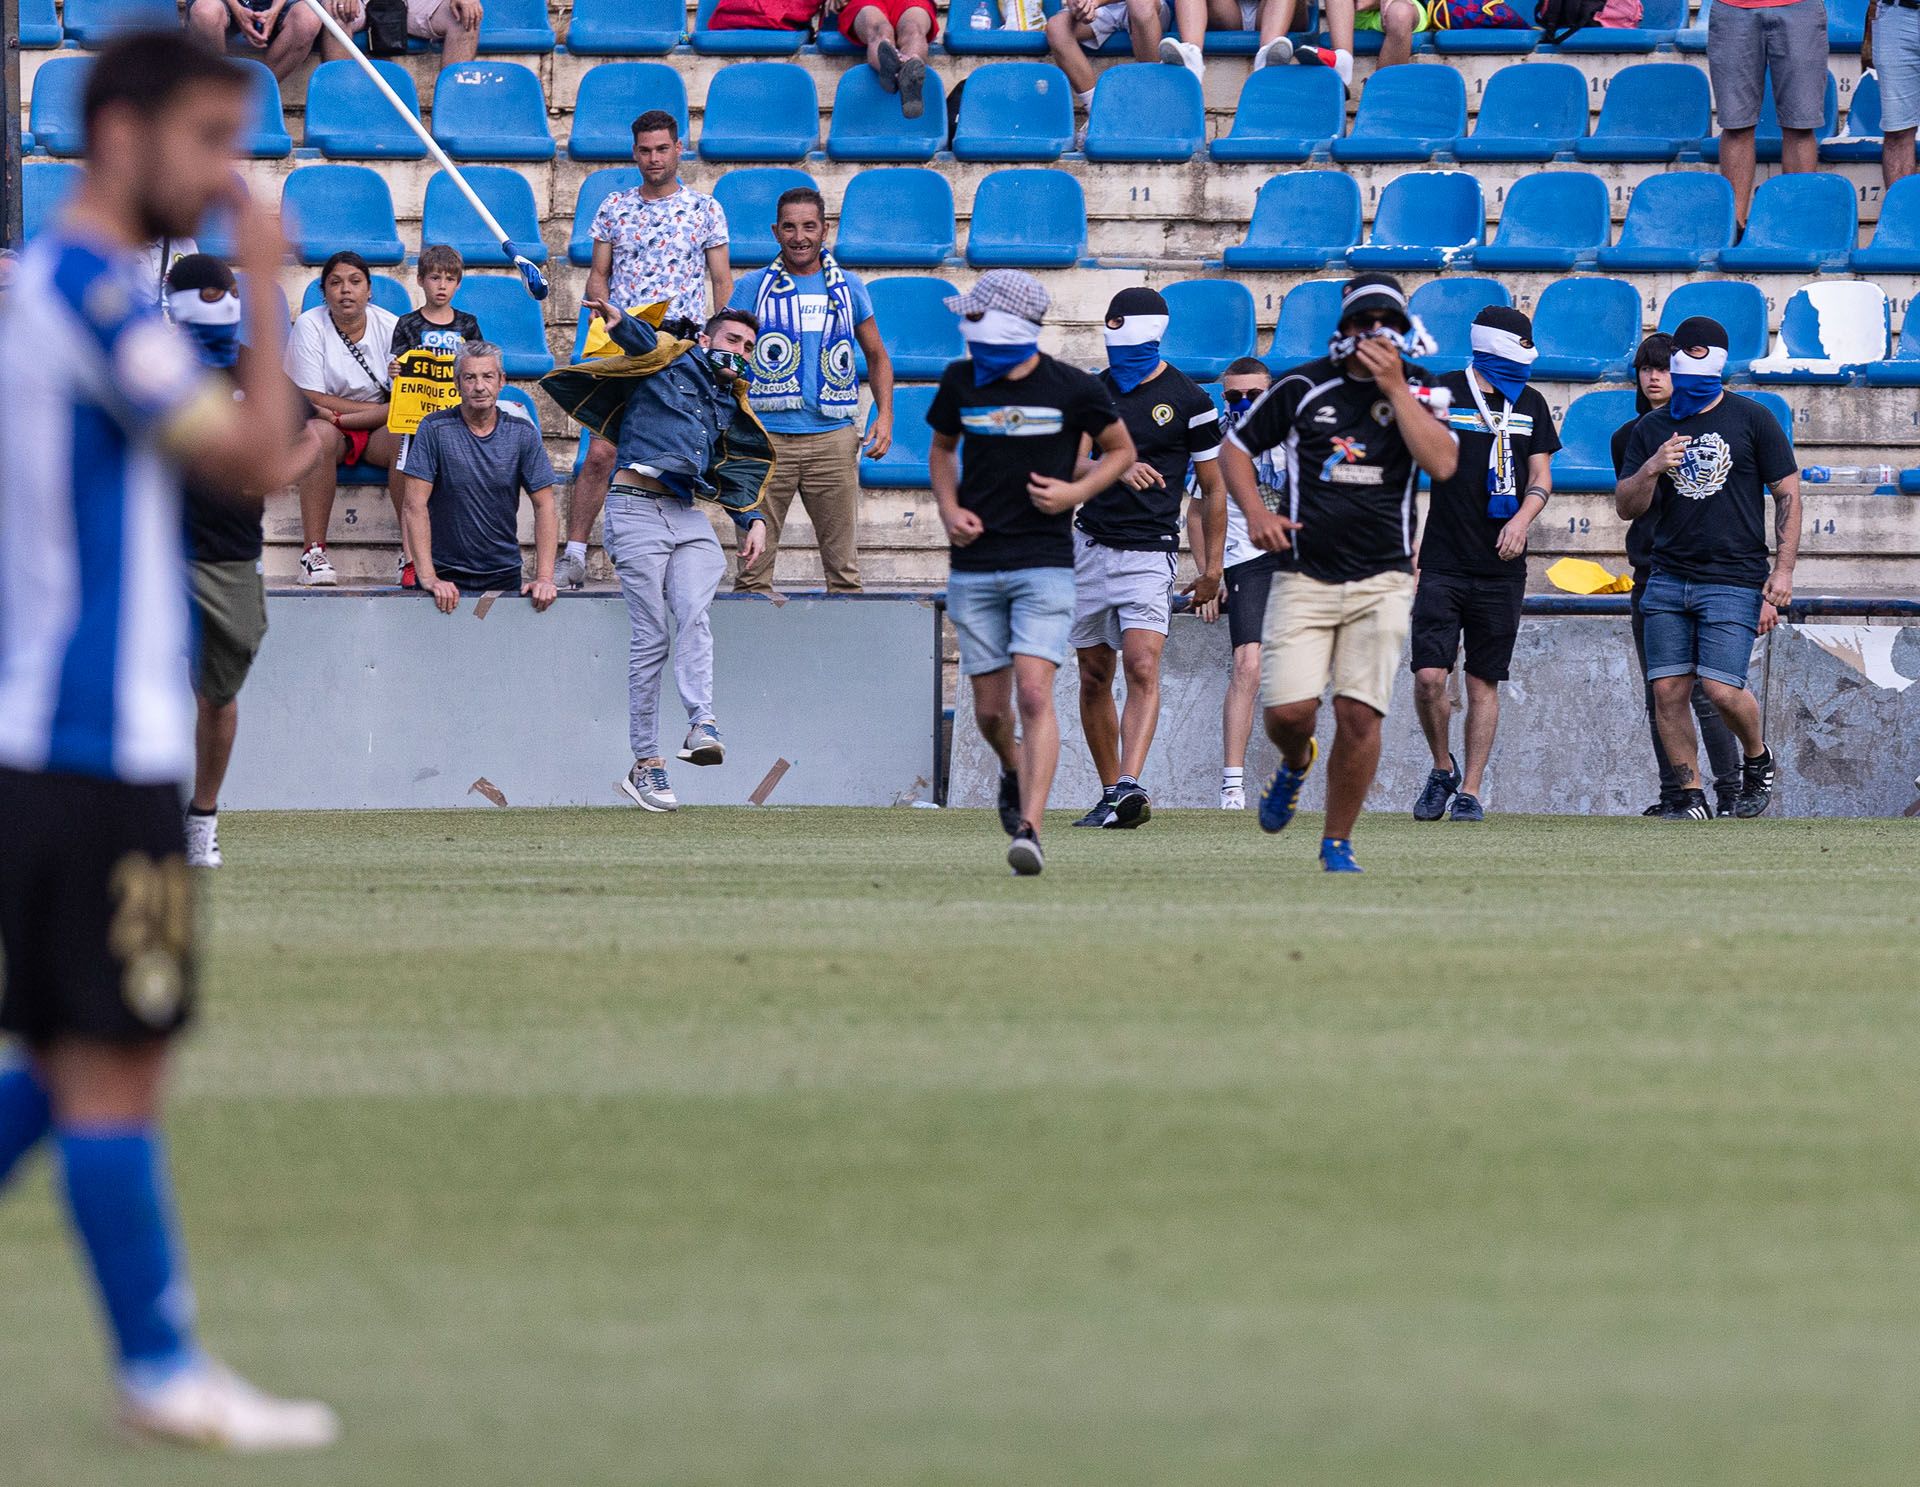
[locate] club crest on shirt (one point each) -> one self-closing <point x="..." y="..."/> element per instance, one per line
<point x="1704" y="468"/>
<point x="1382" y="413"/>
<point x="1013" y="422"/>
<point x="1162" y="414"/>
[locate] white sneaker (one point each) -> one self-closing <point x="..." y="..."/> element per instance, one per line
<point x="203" y="840"/>
<point x="1234" y="799"/>
<point x="315" y="570"/>
<point x="646" y="786"/>
<point x="1177" y="53"/>
<point x="569" y="572"/>
<point x="210" y="1405"/>
<point x="1276" y="53"/>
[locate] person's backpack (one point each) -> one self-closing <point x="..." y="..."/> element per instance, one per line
<point x="387" y="28"/>
<point x="1474" y="15"/>
<point x="1559" y="19"/>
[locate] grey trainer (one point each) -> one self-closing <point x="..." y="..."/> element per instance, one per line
<point x="704" y="744"/>
<point x="646" y="786"/>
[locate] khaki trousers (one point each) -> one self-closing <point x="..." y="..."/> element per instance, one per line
<point x="824" y="471"/>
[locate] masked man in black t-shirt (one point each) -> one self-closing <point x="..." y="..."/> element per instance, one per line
<point x="1356" y="425"/>
<point x="1473" y="552"/>
<point x="1127" y="549"/>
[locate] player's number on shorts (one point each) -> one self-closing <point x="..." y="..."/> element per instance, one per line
<point x="151" y="931"/>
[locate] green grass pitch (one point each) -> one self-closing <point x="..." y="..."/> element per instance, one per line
<point x="807" y="1147"/>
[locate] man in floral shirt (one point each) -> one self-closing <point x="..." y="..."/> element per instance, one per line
<point x="659" y="241"/>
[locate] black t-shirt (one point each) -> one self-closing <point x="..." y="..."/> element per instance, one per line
<point x="1460" y="535"/>
<point x="222" y="528"/>
<point x="1010" y="431"/>
<point x="1353" y="475"/>
<point x="1173" y="424"/>
<point x="1640" y="529"/>
<point x="414" y="332"/>
<point x="1712" y="518"/>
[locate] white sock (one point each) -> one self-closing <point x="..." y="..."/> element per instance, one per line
<point x="1343" y="64"/>
<point x="577" y="550"/>
<point x="1233" y="779"/>
<point x="1083" y="101"/>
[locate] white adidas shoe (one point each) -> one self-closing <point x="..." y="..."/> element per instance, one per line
<point x="210" y="1405"/>
<point x="203" y="840"/>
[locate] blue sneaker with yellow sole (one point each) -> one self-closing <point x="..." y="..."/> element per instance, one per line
<point x="1336" y="855"/>
<point x="1282" y="796"/>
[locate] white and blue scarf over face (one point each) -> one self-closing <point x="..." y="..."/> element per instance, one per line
<point x="1697" y="380"/>
<point x="783" y="382"/>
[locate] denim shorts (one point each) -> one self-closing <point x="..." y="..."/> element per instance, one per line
<point x="1699" y="629"/>
<point x="1013" y="612"/>
<point x="1789" y="42"/>
<point x="1896" y="57"/>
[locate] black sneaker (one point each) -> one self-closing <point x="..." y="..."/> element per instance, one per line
<point x="1658" y="808"/>
<point x="1131" y="806"/>
<point x="1102" y="812"/>
<point x="1010" y="802"/>
<point x="1688" y="805"/>
<point x="1441" y="783"/>
<point x="1024" y="856"/>
<point x="1468" y="808"/>
<point x="1725" y="804"/>
<point x="1756" y="787"/>
<point x="913" y="84"/>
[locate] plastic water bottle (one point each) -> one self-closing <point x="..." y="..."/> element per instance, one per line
<point x="980" y="20"/>
<point x="1850" y="475"/>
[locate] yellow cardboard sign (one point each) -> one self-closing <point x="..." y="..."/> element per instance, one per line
<point x="425" y="385"/>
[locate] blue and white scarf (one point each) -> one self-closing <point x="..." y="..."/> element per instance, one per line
<point x="781" y="384"/>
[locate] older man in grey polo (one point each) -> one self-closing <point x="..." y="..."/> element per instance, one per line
<point x="1746" y="41"/>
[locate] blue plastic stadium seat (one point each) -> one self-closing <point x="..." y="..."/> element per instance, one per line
<point x="1796" y="224"/>
<point x="920" y="333"/>
<point x="1766" y="132"/>
<point x="760" y="111"/>
<point x="1903" y="368"/>
<point x="961" y="37"/>
<point x="1309" y="315"/>
<point x="867" y="124"/>
<point x="747" y="198"/>
<point x="517" y="398"/>
<point x="614" y="28"/>
<point x="1533" y="112"/>
<point x="1584" y="462"/>
<point x="742" y="43"/>
<point x="1302" y="219"/>
<point x="515" y="26"/>
<point x="1447" y="307"/>
<point x="1406" y="113"/>
<point x="1210" y="324"/>
<point x="1895" y="248"/>
<point x="896" y="217"/>
<point x="331" y="208"/>
<point x="45" y="186"/>
<point x="1496" y="41"/>
<point x="93" y="23"/>
<point x="1550" y="220"/>
<point x="1423" y="220"/>
<point x="1652" y="111"/>
<point x="53" y="116"/>
<point x="1738" y="306"/>
<point x="1864" y="131"/>
<point x="1846" y="24"/>
<point x="596" y="188"/>
<point x="347" y="119"/>
<point x="905" y="464"/>
<point x="1586" y="330"/>
<point x="39" y="24"/>
<point x="1014" y="111"/>
<point x="1146" y="113"/>
<point x="448" y="218"/>
<point x="612" y="95"/>
<point x="491" y="111"/>
<point x="1778" y="406"/>
<point x="388" y="293"/>
<point x="266" y="137"/>
<point x="1659" y="20"/>
<point x="1828" y="332"/>
<point x="511" y="319"/>
<point x="1675" y="223"/>
<point x="1027" y="219"/>
<point x="1693" y="37"/>
<point x="1285" y="114"/>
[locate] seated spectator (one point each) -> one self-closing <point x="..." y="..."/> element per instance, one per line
<point x="337" y="355"/>
<point x="1397" y="20"/>
<point x="465" y="470"/>
<point x="455" y="24"/>
<point x="1080" y="27"/>
<point x="279" y="33"/>
<point x="763" y="15"/>
<point x="895" y="34"/>
<point x="436" y="326"/>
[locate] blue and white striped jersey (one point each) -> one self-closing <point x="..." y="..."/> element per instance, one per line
<point x="94" y="622"/>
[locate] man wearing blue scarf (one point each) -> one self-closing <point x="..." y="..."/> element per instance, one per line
<point x="805" y="389"/>
<point x="1473" y="553"/>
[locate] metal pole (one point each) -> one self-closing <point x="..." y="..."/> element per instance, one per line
<point x="10" y="224"/>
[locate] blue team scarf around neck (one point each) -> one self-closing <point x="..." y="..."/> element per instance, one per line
<point x="998" y="342"/>
<point x="1133" y="349"/>
<point x="783" y="382"/>
<point x="1508" y="377"/>
<point x="1696" y="380"/>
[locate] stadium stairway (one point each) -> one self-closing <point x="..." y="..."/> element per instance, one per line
<point x="1159" y="222"/>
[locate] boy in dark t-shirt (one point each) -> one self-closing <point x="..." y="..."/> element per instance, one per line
<point x="436" y="326"/>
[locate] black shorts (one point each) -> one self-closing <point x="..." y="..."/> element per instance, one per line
<point x="1246" y="585"/>
<point x="1485" y="610"/>
<point x="96" y="909"/>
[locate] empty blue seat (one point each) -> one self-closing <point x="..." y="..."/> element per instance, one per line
<point x="1828" y="332"/>
<point x="45" y="186"/>
<point x="1902" y="369"/>
<point x="491" y="111"/>
<point x="1659" y="20"/>
<point x="1532" y="112"/>
<point x="1423" y="220"/>
<point x="747" y="198"/>
<point x="1586" y="330"/>
<point x="1447" y="308"/>
<point x="1014" y="111"/>
<point x="39" y="24"/>
<point x="332" y="208"/>
<point x="612" y="95"/>
<point x="896" y="217"/>
<point x="1027" y="219"/>
<point x="963" y="37"/>
<point x="54" y="116"/>
<point x="1210" y="324"/>
<point x="613" y="28"/>
<point x="1309" y="315"/>
<point x="1584" y="461"/>
<point x="1146" y="113"/>
<point x="1846" y="24"/>
<point x="905" y="464"/>
<point x="1652" y="111"/>
<point x="1864" y="130"/>
<point x="388" y="293"/>
<point x="867" y="124"/>
<point x="760" y="111"/>
<point x="266" y="137"/>
<point x="449" y="218"/>
<point x="1796" y="224"/>
<point x="511" y="319"/>
<point x="1285" y="114"/>
<point x="920" y="333"/>
<point x="347" y="119"/>
<point x="742" y="43"/>
<point x="1302" y="219"/>
<point x="93" y="23"/>
<point x="596" y="188"/>
<point x="1740" y="307"/>
<point x="1693" y="36"/>
<point x="1895" y="248"/>
<point x="517" y="400"/>
<point x="1406" y="113"/>
<point x="515" y="26"/>
<point x="1778" y="406"/>
<point x="1550" y="220"/>
<point x="1676" y="223"/>
<point x="1767" y="142"/>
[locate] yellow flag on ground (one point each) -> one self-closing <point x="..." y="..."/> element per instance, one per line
<point x="425" y="385"/>
<point x="1583" y="576"/>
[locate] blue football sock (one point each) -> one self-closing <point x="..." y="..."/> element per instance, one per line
<point x="122" y="1206"/>
<point x="25" y="1116"/>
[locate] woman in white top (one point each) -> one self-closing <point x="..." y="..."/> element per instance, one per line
<point x="338" y="355"/>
